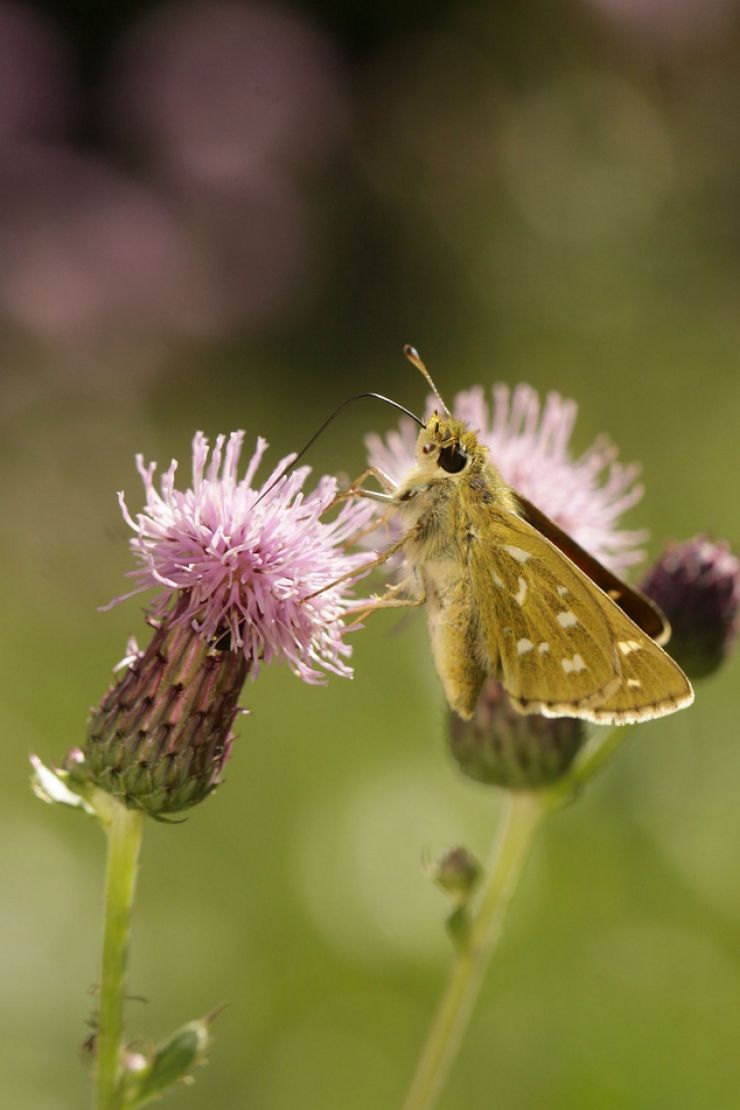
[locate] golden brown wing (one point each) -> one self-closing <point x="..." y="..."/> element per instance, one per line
<point x="557" y="642"/>
<point x="639" y="608"/>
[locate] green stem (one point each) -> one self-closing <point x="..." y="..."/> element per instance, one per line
<point x="523" y="815"/>
<point x="123" y="828"/>
<point x="593" y="757"/>
<point x="519" y="824"/>
<point x="589" y="761"/>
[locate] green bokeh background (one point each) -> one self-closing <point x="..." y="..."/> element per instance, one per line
<point x="541" y="193"/>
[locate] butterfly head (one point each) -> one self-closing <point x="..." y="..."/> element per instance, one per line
<point x="447" y="448"/>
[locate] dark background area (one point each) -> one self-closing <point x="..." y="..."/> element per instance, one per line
<point x="226" y="215"/>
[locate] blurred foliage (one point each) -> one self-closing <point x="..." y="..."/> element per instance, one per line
<point x="527" y="192"/>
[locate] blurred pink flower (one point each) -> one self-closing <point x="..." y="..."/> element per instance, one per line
<point x="35" y="75"/>
<point x="89" y="251"/>
<point x="223" y="92"/>
<point x="529" y="445"/>
<point x="240" y="566"/>
<point x="233" y="107"/>
<point x="672" y="22"/>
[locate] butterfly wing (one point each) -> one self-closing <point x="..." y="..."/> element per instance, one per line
<point x="639" y="608"/>
<point x="558" y="643"/>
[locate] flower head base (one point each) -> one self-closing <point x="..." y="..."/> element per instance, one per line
<point x="162" y="734"/>
<point x="529" y="445"/>
<point x="500" y="747"/>
<point x="241" y="562"/>
<point x="697" y="585"/>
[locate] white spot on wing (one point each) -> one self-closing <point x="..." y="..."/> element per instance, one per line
<point x="496" y="580"/>
<point x="523" y="646"/>
<point x="567" y="619"/>
<point x="563" y="591"/>
<point x="521" y="593"/>
<point x="517" y="553"/>
<point x="544" y="647"/>
<point x="634" y="683"/>
<point x="627" y="646"/>
<point x="573" y="665"/>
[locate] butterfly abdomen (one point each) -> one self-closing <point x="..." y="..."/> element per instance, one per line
<point x="454" y="632"/>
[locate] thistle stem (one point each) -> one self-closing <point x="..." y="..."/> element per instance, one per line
<point x="593" y="757"/>
<point x="520" y="821"/>
<point x="124" y="829"/>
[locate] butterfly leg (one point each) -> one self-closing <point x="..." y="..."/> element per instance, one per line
<point x="373" y="495"/>
<point x="380" y="477"/>
<point x="356" y="488"/>
<point x="374" y="526"/>
<point x="387" y="601"/>
<point x="376" y="562"/>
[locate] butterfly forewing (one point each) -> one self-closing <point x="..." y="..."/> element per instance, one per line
<point x="651" y="685"/>
<point x="559" y="645"/>
<point x="639" y="608"/>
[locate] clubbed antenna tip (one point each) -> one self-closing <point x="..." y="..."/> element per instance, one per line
<point x="416" y="360"/>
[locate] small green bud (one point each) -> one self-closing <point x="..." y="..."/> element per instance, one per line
<point x="161" y="735"/>
<point x="457" y="873"/>
<point x="501" y="747"/>
<point x="147" y="1076"/>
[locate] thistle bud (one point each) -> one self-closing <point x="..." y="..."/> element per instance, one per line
<point x="147" y="1076"/>
<point x="697" y="585"/>
<point x="501" y="747"/>
<point x="160" y="737"/>
<point x="457" y="873"/>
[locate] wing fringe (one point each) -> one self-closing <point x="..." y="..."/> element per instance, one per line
<point x="585" y="710"/>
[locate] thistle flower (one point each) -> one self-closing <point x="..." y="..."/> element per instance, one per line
<point x="697" y="585"/>
<point x="235" y="567"/>
<point x="529" y="445"/>
<point x="245" y="561"/>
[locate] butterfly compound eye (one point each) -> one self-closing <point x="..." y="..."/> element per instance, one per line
<point x="452" y="459"/>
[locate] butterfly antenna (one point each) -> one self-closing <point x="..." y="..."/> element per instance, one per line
<point x="325" y="425"/>
<point x="416" y="360"/>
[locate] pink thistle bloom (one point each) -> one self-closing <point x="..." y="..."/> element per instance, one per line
<point x="240" y="569"/>
<point x="528" y="442"/>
